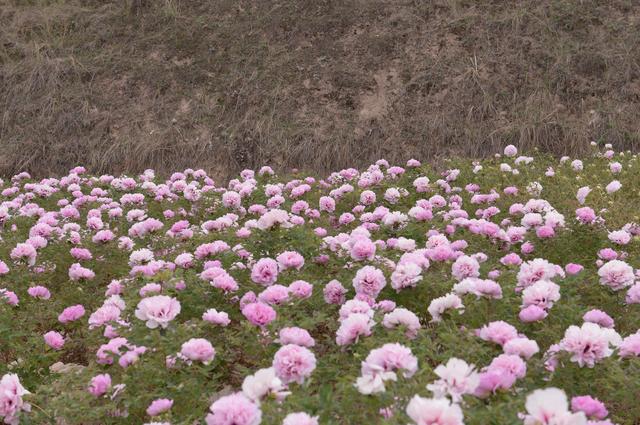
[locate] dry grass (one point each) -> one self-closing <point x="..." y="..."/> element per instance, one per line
<point x="229" y="84"/>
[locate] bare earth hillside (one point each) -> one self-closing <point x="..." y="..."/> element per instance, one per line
<point x="230" y="84"/>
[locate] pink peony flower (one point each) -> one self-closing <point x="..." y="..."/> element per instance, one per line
<point x="9" y="297"/>
<point x="274" y="295"/>
<point x="262" y="384"/>
<point x="300" y="289"/>
<point x="573" y="268"/>
<point x="589" y="343"/>
<point x="613" y="187"/>
<point x="457" y="378"/>
<point x="100" y="384"/>
<point x="510" y="363"/>
<point x="582" y="194"/>
<point x="158" y="310"/>
<point x="150" y="288"/>
<point x="363" y="249"/>
<point x="81" y="253"/>
<point x="24" y="252"/>
<point x="184" y="260"/>
<point x="521" y="346"/>
<point x="633" y="294"/>
<point x="234" y="409"/>
<point x="511" y="259"/>
<point x="405" y="275"/>
<point x="54" y="340"/>
<point x="290" y="260"/>
<point x="527" y="248"/>
<point x="535" y="270"/>
<point x="550" y="406"/>
<point x="293" y="363"/>
<point x="39" y="292"/>
<point x="11" y="402"/>
<point x="159" y="406"/>
<point x="434" y="411"/>
<point x="71" y="314"/>
<point x="492" y="380"/>
<point x="259" y="314"/>
<point x="592" y="407"/>
<point x="354" y="326"/>
<point x="616" y="275"/>
<point x="599" y="317"/>
<point x="402" y="317"/>
<point x="585" y="215"/>
<point x="300" y="418"/>
<point x="532" y="313"/>
<point x="198" y="349"/>
<point x="390" y="358"/>
<point x="265" y="272"/>
<point x="544" y="232"/>
<point x="297" y="336"/>
<point x="630" y="346"/>
<point x="327" y="204"/>
<point x="369" y="281"/>
<point x="334" y="292"/>
<point x="440" y="305"/>
<point x="543" y="293"/>
<point x="464" y="267"/>
<point x="215" y="317"/>
<point x="499" y="332"/>
<point x="620" y="237"/>
<point x="607" y="254"/>
<point x="77" y="272"/>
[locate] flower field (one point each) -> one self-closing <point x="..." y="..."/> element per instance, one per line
<point x="500" y="291"/>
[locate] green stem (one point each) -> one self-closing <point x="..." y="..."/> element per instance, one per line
<point x="43" y="411"/>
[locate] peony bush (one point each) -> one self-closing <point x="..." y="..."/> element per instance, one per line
<point x="501" y="291"/>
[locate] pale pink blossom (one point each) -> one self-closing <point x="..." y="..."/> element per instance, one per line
<point x="54" y="340"/>
<point x="353" y="327"/>
<point x="262" y="384"/>
<point x="11" y="399"/>
<point x="616" y="275"/>
<point x="434" y="411"/>
<point x="402" y="317"/>
<point x="265" y="272"/>
<point x="369" y="281"/>
<point x="259" y="314"/>
<point x="589" y="343"/>
<point x="293" y="363"/>
<point x="457" y="378"/>
<point x="550" y="406"/>
<point x="499" y="332"/>
<point x="300" y="418"/>
<point x="234" y="409"/>
<point x="198" y="349"/>
<point x="215" y="317"/>
<point x="158" y="310"/>
<point x="439" y="306"/>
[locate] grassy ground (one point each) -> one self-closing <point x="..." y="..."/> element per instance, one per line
<point x="229" y="84"/>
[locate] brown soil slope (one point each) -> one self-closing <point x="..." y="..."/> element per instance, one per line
<point x="316" y="84"/>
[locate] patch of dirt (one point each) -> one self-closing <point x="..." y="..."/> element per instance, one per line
<point x="374" y="104"/>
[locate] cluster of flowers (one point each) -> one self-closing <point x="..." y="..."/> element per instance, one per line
<point x="387" y="253"/>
